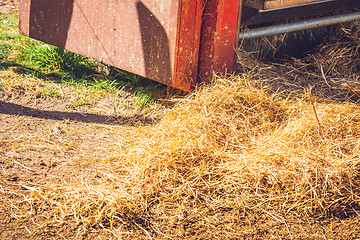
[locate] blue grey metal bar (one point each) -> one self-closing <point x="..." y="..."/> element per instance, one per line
<point x="297" y="26"/>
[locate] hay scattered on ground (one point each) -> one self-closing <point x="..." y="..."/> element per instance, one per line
<point x="229" y="146"/>
<point x="246" y="144"/>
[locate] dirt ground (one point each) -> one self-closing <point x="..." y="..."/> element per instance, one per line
<point x="48" y="139"/>
<point x="7" y="6"/>
<point x="31" y="131"/>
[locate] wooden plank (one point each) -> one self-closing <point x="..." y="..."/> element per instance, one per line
<point x="219" y="37"/>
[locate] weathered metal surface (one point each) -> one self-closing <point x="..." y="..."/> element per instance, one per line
<point x="188" y="42"/>
<point x="300" y="25"/>
<point x="157" y="39"/>
<point x="308" y="10"/>
<point x="288" y="3"/>
<point x="271" y="4"/>
<point x="218" y="37"/>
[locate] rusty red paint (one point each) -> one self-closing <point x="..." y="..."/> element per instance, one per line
<point x="187" y="47"/>
<point x="218" y="37"/>
<point x="152" y="38"/>
<point x="157" y="39"/>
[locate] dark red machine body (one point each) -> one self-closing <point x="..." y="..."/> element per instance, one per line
<point x="157" y="39"/>
<point x="176" y="42"/>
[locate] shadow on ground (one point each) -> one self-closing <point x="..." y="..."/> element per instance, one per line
<point x="19" y="110"/>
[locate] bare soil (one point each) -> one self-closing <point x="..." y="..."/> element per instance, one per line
<point x="7" y="6"/>
<point x="30" y="133"/>
<point x="48" y="140"/>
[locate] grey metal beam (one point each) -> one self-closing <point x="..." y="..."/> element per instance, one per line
<point x="298" y="26"/>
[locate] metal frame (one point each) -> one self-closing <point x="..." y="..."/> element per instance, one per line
<point x="219" y="37"/>
<point x="161" y="43"/>
<point x="157" y="39"/>
<point x="272" y="4"/>
<point x="187" y="47"/>
<point x="300" y="25"/>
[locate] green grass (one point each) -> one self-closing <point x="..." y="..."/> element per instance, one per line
<point x="145" y="96"/>
<point x="40" y="57"/>
<point x="81" y="102"/>
<point x="5" y="49"/>
<point x="34" y="58"/>
<point x="105" y="83"/>
<point x="11" y="42"/>
<point x="53" y="60"/>
<point x="9" y="23"/>
<point x="50" y="92"/>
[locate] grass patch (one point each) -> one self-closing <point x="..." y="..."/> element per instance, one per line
<point x="35" y="59"/>
<point x="81" y="102"/>
<point x="40" y="57"/>
<point x="53" y="60"/>
<point x="145" y="96"/>
<point x="5" y="50"/>
<point x="51" y="92"/>
<point x="9" y="23"/>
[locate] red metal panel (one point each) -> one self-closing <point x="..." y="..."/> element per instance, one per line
<point x="187" y="51"/>
<point x="218" y="37"/>
<point x="157" y="39"/>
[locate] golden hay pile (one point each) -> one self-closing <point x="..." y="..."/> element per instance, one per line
<point x="230" y="147"/>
